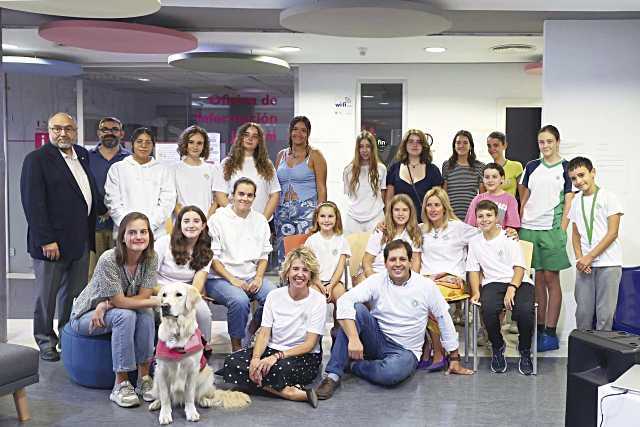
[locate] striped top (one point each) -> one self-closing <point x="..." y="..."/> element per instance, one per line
<point x="463" y="184"/>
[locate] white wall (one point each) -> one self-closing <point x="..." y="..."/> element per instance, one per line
<point x="591" y="91"/>
<point x="441" y="98"/>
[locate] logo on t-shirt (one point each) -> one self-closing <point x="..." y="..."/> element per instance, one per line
<point x="206" y="176"/>
<point x="414" y="303"/>
<point x="501" y="254"/>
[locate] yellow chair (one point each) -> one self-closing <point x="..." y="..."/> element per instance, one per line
<point x="358" y="245"/>
<point x="527" y="252"/>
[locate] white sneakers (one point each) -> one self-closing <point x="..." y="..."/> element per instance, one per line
<point x="144" y="388"/>
<point x="124" y="395"/>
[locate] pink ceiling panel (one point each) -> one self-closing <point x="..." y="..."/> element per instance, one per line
<point x="121" y="37"/>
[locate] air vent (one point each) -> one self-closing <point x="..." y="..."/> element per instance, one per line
<point x="513" y="48"/>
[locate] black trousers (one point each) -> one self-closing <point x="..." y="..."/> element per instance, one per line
<point x="492" y="299"/>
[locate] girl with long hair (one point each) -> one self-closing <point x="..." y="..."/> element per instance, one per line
<point x="186" y="256"/>
<point x="365" y="184"/>
<point x="413" y="173"/>
<point x="118" y="300"/>
<point x="462" y="173"/>
<point x="249" y="158"/>
<point x="399" y="223"/>
<point x="302" y="172"/>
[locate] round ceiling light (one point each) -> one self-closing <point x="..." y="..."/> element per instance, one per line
<point x="435" y="49"/>
<point x="365" y="18"/>
<point x="86" y="8"/>
<point x="229" y="63"/>
<point x="115" y="36"/>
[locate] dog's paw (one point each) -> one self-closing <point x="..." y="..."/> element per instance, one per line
<point x="165" y="416"/>
<point x="207" y="402"/>
<point x="155" y="405"/>
<point x="191" y="413"/>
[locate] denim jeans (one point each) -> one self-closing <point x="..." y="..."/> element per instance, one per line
<point x="132" y="333"/>
<point x="203" y="317"/>
<point x="386" y="363"/>
<point x="238" y="303"/>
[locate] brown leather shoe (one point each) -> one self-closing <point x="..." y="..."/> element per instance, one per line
<point x="326" y="388"/>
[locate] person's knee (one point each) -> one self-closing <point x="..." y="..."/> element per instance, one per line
<point x="238" y="302"/>
<point x="397" y="369"/>
<point x="551" y="278"/>
<point x="124" y="317"/>
<point x="362" y="312"/>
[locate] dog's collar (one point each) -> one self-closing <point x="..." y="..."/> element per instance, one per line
<point x="193" y="345"/>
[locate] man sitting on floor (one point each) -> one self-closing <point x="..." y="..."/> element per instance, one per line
<point x="385" y="344"/>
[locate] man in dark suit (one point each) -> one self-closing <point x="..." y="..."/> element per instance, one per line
<point x="59" y="200"/>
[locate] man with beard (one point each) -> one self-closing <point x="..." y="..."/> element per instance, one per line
<point x="108" y="152"/>
<point x="60" y="202"/>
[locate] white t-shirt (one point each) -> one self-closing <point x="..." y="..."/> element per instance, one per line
<point x="496" y="258"/>
<point x="328" y="252"/>
<point x="194" y="184"/>
<point x="445" y="251"/>
<point x="239" y="243"/>
<point x="290" y="320"/>
<point x="376" y="248"/>
<point x="264" y="188"/>
<point x="168" y="270"/>
<point x="402" y="310"/>
<point x="607" y="204"/>
<point x="364" y="205"/>
<point x="148" y="188"/>
<point x="547" y="185"/>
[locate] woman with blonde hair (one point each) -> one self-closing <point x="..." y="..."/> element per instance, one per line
<point x="414" y="173"/>
<point x="444" y="241"/>
<point x="287" y="355"/>
<point x="365" y="184"/>
<point x="249" y="158"/>
<point x="399" y="223"/>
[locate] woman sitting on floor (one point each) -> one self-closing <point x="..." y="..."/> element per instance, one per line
<point x="185" y="257"/>
<point x="287" y="353"/>
<point x="118" y="300"/>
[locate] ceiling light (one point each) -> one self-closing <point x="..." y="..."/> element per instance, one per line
<point x="435" y="49"/>
<point x="367" y="96"/>
<point x="383" y="103"/>
<point x="203" y="97"/>
<point x="144" y="80"/>
<point x="289" y="49"/>
<point x="9" y="46"/>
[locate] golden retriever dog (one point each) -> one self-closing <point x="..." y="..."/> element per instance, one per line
<point x="182" y="376"/>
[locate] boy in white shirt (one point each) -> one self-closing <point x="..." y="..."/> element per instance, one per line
<point x="595" y="214"/>
<point x="504" y="285"/>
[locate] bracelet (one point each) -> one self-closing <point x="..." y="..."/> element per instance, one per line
<point x="512" y="285"/>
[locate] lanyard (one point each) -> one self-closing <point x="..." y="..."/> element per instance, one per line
<point x="588" y="224"/>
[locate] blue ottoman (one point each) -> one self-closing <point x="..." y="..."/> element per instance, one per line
<point x="87" y="359"/>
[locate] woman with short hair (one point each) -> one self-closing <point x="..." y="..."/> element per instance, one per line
<point x="287" y="354"/>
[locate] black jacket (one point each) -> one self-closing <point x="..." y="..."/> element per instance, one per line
<point x="53" y="203"/>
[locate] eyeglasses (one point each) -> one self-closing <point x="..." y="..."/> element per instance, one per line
<point x="113" y="130"/>
<point x="58" y="129"/>
<point x="251" y="136"/>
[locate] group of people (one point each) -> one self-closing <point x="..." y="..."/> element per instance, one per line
<point x="433" y="236"/>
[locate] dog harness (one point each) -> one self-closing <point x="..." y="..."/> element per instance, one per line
<point x="193" y="345"/>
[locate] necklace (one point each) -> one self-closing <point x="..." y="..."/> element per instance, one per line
<point x="436" y="232"/>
